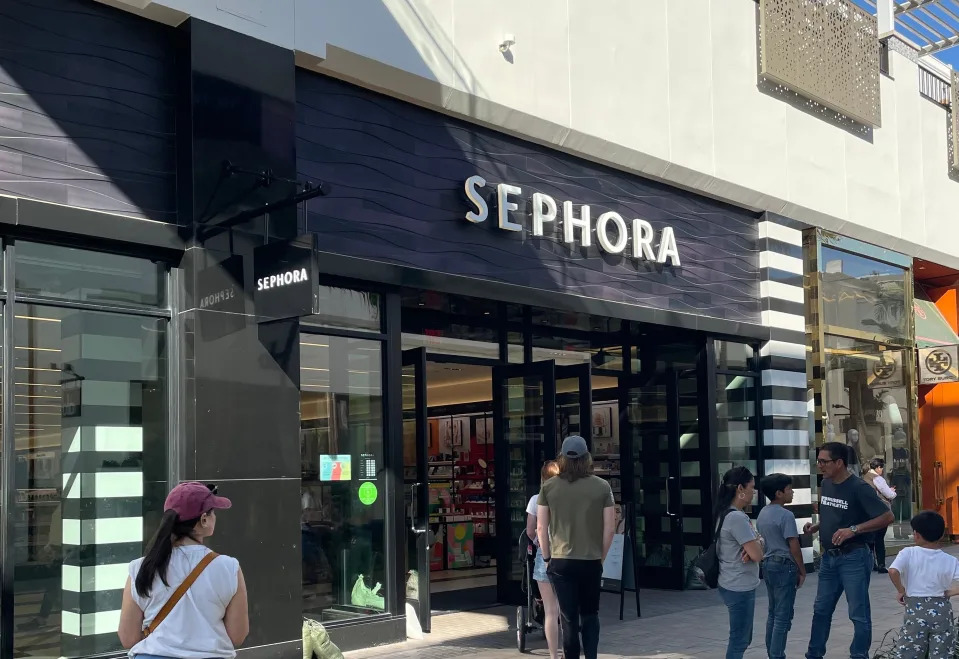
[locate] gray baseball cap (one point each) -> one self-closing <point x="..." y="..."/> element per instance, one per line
<point x="574" y="446"/>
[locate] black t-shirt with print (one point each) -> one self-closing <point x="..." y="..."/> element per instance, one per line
<point x="854" y="501"/>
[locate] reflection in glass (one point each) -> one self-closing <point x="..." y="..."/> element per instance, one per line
<point x="601" y="352"/>
<point x="467" y="342"/>
<point x="90" y="436"/>
<point x="82" y="275"/>
<point x="347" y="309"/>
<point x="648" y="417"/>
<point x="866" y="407"/>
<point x="734" y="356"/>
<point x="343" y="477"/>
<point x="450" y="324"/>
<point x="863" y="294"/>
<point x="691" y="456"/>
<point x="525" y="436"/>
<point x="736" y="423"/>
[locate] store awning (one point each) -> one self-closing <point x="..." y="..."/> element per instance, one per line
<point x="932" y="329"/>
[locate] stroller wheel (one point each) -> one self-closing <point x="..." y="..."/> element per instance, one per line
<point x="521" y="628"/>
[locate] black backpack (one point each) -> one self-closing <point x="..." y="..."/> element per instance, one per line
<point x="705" y="569"/>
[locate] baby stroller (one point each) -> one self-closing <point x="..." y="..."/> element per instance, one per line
<point x="529" y="616"/>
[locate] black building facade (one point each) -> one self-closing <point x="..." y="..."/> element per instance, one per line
<point x="368" y="323"/>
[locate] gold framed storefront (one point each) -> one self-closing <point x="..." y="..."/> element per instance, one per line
<point x="860" y="368"/>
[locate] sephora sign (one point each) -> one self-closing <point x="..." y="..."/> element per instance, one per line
<point x="614" y="234"/>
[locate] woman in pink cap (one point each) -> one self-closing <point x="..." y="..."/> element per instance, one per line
<point x="183" y="600"/>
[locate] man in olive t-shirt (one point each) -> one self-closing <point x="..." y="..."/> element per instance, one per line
<point x="575" y="522"/>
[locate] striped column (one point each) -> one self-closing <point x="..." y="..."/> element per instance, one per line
<point x="102" y="499"/>
<point x="783" y="361"/>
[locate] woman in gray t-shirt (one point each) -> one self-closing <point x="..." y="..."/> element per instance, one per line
<point x="739" y="552"/>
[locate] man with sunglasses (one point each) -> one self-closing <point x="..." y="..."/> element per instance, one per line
<point x="849" y="512"/>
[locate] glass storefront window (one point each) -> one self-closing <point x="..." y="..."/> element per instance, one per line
<point x="863" y="294"/>
<point x="514" y="347"/>
<point x="605" y="355"/>
<point x="90" y="426"/>
<point x="344" y="308"/>
<point x="866" y="404"/>
<point x="451" y="325"/>
<point x="484" y="346"/>
<point x="81" y="275"/>
<point x="732" y="356"/>
<point x="574" y="321"/>
<point x="736" y="423"/>
<point x="343" y="477"/>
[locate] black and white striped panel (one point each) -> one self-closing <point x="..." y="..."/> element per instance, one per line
<point x="783" y="362"/>
<point x="103" y="482"/>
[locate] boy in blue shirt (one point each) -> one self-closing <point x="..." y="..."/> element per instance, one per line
<point x="783" y="567"/>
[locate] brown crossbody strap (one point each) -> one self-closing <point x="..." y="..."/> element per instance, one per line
<point x="179" y="593"/>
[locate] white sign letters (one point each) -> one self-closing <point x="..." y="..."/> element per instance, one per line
<point x="614" y="234"/>
<point x="281" y="279"/>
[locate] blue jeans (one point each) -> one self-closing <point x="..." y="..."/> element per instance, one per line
<point x="781" y="574"/>
<point x="841" y="573"/>
<point x="742" y="609"/>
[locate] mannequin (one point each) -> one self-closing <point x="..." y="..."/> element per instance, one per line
<point x="852" y="439"/>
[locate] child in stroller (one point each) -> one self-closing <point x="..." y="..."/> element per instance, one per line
<point x="529" y="615"/>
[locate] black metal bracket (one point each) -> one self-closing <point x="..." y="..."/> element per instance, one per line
<point x="263" y="178"/>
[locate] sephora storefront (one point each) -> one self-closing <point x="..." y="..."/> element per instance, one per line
<point x="479" y="298"/>
<point x="367" y="323"/>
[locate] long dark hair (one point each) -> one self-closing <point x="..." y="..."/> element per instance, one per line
<point x="157" y="558"/>
<point x="572" y="469"/>
<point x="732" y="479"/>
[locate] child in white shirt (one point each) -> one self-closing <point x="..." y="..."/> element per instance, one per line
<point x="929" y="575"/>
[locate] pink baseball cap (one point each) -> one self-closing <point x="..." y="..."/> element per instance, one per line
<point x="191" y="500"/>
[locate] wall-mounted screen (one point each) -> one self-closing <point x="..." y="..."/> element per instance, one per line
<point x="336" y="468"/>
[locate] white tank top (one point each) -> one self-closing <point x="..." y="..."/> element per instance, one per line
<point x="194" y="629"/>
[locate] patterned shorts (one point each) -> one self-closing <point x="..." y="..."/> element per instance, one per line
<point x="927" y="628"/>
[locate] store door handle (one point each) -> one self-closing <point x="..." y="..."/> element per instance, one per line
<point x="940" y="494"/>
<point x="669" y="496"/>
<point x="415" y="511"/>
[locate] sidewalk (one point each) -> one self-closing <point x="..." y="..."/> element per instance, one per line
<point x="675" y="625"/>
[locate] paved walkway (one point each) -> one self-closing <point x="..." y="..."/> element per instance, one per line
<point x="675" y="625"/>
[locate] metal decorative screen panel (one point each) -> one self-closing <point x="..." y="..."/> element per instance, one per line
<point x="825" y="50"/>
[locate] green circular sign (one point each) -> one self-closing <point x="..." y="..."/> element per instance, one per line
<point x="367" y="493"/>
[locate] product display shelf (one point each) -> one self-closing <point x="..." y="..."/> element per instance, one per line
<point x="607" y="467"/>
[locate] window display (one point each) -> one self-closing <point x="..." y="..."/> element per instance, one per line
<point x="342" y="523"/>
<point x="867" y="407"/>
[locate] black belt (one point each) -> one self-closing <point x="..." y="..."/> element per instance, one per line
<point x="846" y="548"/>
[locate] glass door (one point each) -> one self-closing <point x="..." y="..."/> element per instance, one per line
<point x="416" y="483"/>
<point x="574" y="406"/>
<point x="524" y="432"/>
<point x="652" y="443"/>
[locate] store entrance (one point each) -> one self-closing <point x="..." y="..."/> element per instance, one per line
<point x="667" y="473"/>
<point x="449" y="480"/>
<point x="535" y="406"/>
<point x="475" y="438"/>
